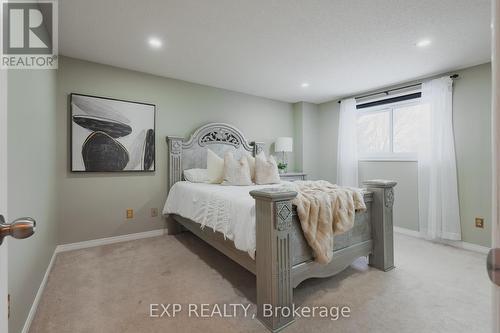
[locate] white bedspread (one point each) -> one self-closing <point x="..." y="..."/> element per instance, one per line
<point x="227" y="209"/>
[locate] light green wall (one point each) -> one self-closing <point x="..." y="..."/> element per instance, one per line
<point x="471" y="122"/>
<point x="328" y="133"/>
<point x="31" y="183"/>
<point x="298" y="147"/>
<point x="310" y="140"/>
<point x="93" y="205"/>
<point x="306" y="138"/>
<point x="406" y="193"/>
<point x="472" y="127"/>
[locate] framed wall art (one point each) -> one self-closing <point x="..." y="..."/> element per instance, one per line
<point x="111" y="135"/>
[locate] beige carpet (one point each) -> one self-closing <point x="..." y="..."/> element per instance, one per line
<point x="435" y="288"/>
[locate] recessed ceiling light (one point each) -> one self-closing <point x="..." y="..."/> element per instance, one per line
<point x="424" y="43"/>
<point x="304" y="85"/>
<point x="155" y="42"/>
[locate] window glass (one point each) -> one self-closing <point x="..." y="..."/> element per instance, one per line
<point x="410" y="125"/>
<point x="393" y="131"/>
<point x="374" y="132"/>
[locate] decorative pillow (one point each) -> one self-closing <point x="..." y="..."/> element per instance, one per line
<point x="236" y="172"/>
<point x="215" y="168"/>
<point x="251" y="164"/>
<point x="266" y="170"/>
<point x="196" y="175"/>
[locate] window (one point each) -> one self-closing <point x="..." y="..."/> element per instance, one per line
<point x="392" y="131"/>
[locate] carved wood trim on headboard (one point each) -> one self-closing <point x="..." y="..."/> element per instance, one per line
<point x="212" y="133"/>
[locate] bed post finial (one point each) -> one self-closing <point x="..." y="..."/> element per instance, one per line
<point x="274" y="256"/>
<point x="174" y="159"/>
<point x="382" y="256"/>
<point x="174" y="175"/>
<point x="257" y="147"/>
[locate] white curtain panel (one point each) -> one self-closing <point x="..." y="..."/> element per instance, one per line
<point x="347" y="157"/>
<point x="439" y="216"/>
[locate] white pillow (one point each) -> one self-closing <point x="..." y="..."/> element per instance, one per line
<point x="266" y="170"/>
<point x="196" y="175"/>
<point x="236" y="172"/>
<point x="251" y="164"/>
<point x="215" y="168"/>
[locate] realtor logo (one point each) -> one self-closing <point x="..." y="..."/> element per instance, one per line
<point x="29" y="34"/>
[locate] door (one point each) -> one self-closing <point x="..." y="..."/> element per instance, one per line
<point x="493" y="260"/>
<point x="21" y="227"/>
<point x="3" y="199"/>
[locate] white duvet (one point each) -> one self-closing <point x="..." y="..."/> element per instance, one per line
<point x="227" y="209"/>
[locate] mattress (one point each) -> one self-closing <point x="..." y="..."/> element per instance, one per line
<point x="229" y="210"/>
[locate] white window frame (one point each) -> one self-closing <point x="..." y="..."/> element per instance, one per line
<point x="389" y="156"/>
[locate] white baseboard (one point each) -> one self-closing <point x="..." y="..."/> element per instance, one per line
<point x="407" y="232"/>
<point x="458" y="244"/>
<point x="38" y="296"/>
<point x="468" y="246"/>
<point x="77" y="246"/>
<point x="109" y="240"/>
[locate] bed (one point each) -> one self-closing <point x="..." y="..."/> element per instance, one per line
<point x="278" y="254"/>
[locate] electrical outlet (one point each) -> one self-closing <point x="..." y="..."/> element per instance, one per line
<point x="130" y="213"/>
<point x="479" y="222"/>
<point x="154" y="212"/>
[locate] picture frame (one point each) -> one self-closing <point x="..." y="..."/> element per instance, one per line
<point x="111" y="135"/>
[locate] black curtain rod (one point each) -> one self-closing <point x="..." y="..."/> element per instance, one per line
<point x="454" y="76"/>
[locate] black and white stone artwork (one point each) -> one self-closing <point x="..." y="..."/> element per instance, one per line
<point x="109" y="135"/>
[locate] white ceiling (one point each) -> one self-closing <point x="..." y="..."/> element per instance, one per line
<point x="269" y="47"/>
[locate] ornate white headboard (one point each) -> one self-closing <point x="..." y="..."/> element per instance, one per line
<point x="219" y="137"/>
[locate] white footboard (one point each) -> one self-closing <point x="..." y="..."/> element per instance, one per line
<point x="382" y="256"/>
<point x="274" y="254"/>
<point x="276" y="275"/>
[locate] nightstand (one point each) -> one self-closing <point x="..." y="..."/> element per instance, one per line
<point x="293" y="176"/>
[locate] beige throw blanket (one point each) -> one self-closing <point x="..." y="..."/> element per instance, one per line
<point x="325" y="210"/>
